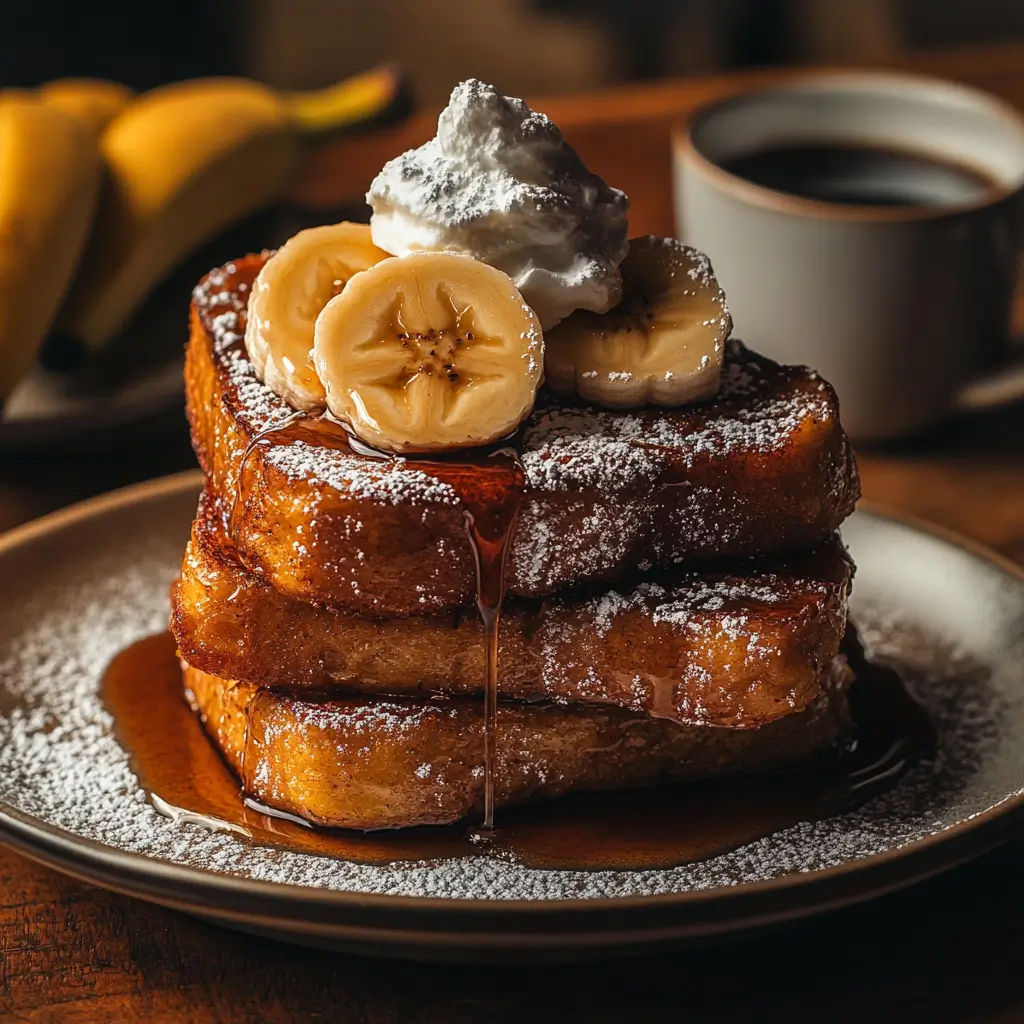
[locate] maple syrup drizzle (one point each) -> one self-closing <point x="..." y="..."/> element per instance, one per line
<point x="268" y="431"/>
<point x="489" y="484"/>
<point x="660" y="827"/>
<point x="489" y="527"/>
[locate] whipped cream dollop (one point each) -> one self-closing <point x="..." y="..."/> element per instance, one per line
<point x="499" y="183"/>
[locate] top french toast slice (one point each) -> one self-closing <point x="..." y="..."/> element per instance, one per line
<point x="763" y="467"/>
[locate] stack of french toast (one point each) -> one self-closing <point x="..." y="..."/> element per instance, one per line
<point x="675" y="594"/>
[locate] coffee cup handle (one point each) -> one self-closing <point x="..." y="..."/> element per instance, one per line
<point x="996" y="388"/>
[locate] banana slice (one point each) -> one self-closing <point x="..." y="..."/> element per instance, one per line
<point x="287" y="296"/>
<point x="429" y="351"/>
<point x="662" y="344"/>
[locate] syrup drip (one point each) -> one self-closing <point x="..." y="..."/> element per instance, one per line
<point x="295" y="416"/>
<point x="489" y="526"/>
<point x="652" y="828"/>
<point x="489" y="485"/>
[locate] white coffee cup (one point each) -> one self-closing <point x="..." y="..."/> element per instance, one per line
<point x="904" y="308"/>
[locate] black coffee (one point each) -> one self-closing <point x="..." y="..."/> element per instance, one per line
<point x="861" y="175"/>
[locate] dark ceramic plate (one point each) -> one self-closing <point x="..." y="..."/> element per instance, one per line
<point x="80" y="585"/>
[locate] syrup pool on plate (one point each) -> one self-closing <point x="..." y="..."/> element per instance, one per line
<point x="644" y="829"/>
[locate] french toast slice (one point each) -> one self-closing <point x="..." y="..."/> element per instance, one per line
<point x="763" y="467"/>
<point x="390" y="763"/>
<point x="738" y="645"/>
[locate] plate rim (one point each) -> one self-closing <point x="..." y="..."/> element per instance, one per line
<point x="113" y="868"/>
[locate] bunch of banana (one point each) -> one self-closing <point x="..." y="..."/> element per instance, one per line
<point x="178" y="165"/>
<point x="186" y="161"/>
<point x="48" y="188"/>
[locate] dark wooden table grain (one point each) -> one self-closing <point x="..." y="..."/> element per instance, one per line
<point x="948" y="950"/>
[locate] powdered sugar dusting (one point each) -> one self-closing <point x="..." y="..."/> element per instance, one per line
<point x="573" y="447"/>
<point x="59" y="761"/>
<point x="689" y="595"/>
<point x="397" y="483"/>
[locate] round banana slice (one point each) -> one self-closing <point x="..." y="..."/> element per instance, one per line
<point x="662" y="344"/>
<point x="287" y="296"/>
<point x="429" y="351"/>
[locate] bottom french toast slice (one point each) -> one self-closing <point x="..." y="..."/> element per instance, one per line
<point x="378" y="763"/>
<point x="737" y="646"/>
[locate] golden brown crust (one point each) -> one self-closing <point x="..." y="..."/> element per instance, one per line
<point x="764" y="467"/>
<point x="371" y="764"/>
<point x="735" y="646"/>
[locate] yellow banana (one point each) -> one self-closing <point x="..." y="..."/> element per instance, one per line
<point x="184" y="162"/>
<point x="93" y="101"/>
<point x="355" y="101"/>
<point x="49" y="181"/>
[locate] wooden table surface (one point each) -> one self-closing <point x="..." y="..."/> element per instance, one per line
<point x="949" y="950"/>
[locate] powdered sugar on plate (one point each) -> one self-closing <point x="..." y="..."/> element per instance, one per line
<point x="73" y="599"/>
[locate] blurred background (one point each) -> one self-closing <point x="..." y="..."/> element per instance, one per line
<point x="127" y="394"/>
<point x="523" y="46"/>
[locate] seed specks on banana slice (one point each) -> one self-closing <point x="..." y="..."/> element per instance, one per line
<point x="287" y="296"/>
<point x="662" y="344"/>
<point x="429" y="351"/>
